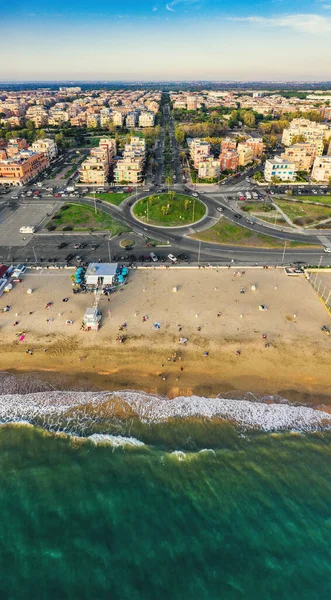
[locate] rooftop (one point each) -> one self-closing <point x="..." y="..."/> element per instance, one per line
<point x="101" y="270"/>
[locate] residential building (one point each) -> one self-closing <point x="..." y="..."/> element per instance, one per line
<point x="131" y="120"/>
<point x="322" y="169"/>
<point x="47" y="146"/>
<point x="15" y="145"/>
<point x="245" y="154"/>
<point x="22" y="167"/>
<point x="128" y="170"/>
<point x="309" y="130"/>
<point x="191" y="102"/>
<point x="93" y="121"/>
<point x="146" y="119"/>
<point x="209" y="168"/>
<point x="95" y="169"/>
<point x="228" y="144"/>
<point x="229" y="160"/>
<point x="109" y="144"/>
<point x="302" y="155"/>
<point x="257" y="146"/>
<point x="180" y="104"/>
<point x="199" y="150"/>
<point x="118" y="119"/>
<point x="278" y="168"/>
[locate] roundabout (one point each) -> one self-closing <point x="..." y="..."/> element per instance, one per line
<point x="169" y="210"/>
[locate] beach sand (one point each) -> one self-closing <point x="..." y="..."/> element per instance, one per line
<point x="297" y="360"/>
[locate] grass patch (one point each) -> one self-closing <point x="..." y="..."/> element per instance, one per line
<point x="116" y="198"/>
<point x="226" y="232"/>
<point x="83" y="218"/>
<point x="325" y="200"/>
<point x="169" y="210"/>
<point x="304" y="214"/>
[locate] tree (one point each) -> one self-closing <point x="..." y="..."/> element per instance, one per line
<point x="249" y="119"/>
<point x="180" y="136"/>
<point x="151" y="200"/>
<point x="258" y="176"/>
<point x="297" y="139"/>
<point x="40" y="134"/>
<point x="168" y="181"/>
<point x="186" y="203"/>
<point x="30" y="125"/>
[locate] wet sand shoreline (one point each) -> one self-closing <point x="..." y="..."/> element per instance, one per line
<point x="295" y="365"/>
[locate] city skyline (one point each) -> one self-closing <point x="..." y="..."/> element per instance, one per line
<point x="181" y="39"/>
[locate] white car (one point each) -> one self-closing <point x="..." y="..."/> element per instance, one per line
<point x="154" y="257"/>
<point x="172" y="258"/>
<point x="327" y="249"/>
<point x="195" y="195"/>
<point x="220" y="209"/>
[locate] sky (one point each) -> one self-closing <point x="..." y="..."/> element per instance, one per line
<point x="159" y="40"/>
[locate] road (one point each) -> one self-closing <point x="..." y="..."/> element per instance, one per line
<point x="222" y="196"/>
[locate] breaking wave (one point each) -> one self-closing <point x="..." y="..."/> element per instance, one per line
<point x="98" y="414"/>
<point x="114" y="440"/>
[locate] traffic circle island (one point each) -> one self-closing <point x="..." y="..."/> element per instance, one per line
<point x="169" y="210"/>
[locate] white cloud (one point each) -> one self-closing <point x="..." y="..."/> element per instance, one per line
<point x="169" y="7"/>
<point x="155" y="8"/>
<point x="306" y="23"/>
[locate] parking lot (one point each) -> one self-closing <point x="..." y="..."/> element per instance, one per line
<point x="12" y="218"/>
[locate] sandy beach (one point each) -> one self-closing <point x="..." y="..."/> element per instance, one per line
<point x="296" y="359"/>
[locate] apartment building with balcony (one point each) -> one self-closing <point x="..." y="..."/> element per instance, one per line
<point x="118" y="119"/>
<point x="22" y="167"/>
<point x="146" y="119"/>
<point x="199" y="150"/>
<point x="95" y="169"/>
<point x="322" y="169"/>
<point x="47" y="146"/>
<point x="245" y="154"/>
<point x="228" y="144"/>
<point x="128" y="170"/>
<point x="229" y="160"/>
<point x="131" y="120"/>
<point x="93" y="121"/>
<point x="302" y="155"/>
<point x="257" y="146"/>
<point x="278" y="168"/>
<point x="209" y="168"/>
<point x="192" y="102"/>
<point x="309" y="130"/>
<point x="109" y="145"/>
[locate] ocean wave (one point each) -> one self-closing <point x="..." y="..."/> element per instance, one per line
<point x="88" y="413"/>
<point x="114" y="440"/>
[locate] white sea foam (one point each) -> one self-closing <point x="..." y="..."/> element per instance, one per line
<point x="114" y="440"/>
<point x="179" y="455"/>
<point x="81" y="413"/>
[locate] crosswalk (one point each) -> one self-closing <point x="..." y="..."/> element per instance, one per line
<point x="325" y="241"/>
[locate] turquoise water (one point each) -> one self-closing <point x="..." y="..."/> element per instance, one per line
<point x="247" y="516"/>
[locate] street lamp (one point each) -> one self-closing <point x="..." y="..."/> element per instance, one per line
<point x="284" y="252"/>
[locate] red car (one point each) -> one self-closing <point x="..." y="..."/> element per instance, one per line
<point x="57" y="195"/>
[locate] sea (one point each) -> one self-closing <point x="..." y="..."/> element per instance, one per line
<point x="127" y="495"/>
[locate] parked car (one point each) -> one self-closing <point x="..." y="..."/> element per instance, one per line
<point x="62" y="245"/>
<point x="172" y="258"/>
